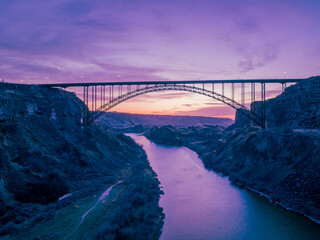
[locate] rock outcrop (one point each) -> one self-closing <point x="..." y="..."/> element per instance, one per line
<point x="279" y="163"/>
<point x="297" y="107"/>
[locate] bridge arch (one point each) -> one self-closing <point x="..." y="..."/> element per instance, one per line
<point x="173" y="87"/>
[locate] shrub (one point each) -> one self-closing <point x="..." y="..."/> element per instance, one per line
<point x="46" y="190"/>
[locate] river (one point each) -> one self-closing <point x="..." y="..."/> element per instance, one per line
<point x="200" y="204"/>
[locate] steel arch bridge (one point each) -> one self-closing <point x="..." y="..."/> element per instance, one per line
<point x="106" y="98"/>
<point x="156" y="88"/>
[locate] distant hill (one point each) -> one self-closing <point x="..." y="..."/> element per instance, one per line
<point x="127" y="120"/>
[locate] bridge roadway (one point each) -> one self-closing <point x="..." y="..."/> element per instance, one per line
<point x="87" y="84"/>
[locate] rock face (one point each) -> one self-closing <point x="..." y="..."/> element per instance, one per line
<point x="34" y="153"/>
<point x="241" y="120"/>
<point x="280" y="163"/>
<point x="19" y="101"/>
<point x="297" y="107"/>
<point x="197" y="138"/>
<point x="45" y="154"/>
<point x="165" y="135"/>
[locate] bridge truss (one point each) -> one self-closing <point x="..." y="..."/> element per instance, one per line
<point x="110" y="94"/>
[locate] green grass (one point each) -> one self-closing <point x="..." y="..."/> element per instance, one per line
<point x="67" y="219"/>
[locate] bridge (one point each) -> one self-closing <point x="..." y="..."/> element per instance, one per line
<point x="106" y="95"/>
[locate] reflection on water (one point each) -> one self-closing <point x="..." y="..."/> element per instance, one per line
<point x="199" y="204"/>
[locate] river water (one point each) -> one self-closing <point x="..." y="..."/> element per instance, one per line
<point x="200" y="204"/>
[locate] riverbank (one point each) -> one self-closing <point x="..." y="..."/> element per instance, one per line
<point x="278" y="163"/>
<point x="45" y="156"/>
<point x="201" y="204"/>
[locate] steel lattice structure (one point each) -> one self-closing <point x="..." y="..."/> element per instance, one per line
<point x="128" y="90"/>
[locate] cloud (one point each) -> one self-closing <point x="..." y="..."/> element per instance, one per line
<point x="256" y="57"/>
<point x="248" y="39"/>
<point x="72" y="30"/>
<point x="215" y="104"/>
<point x="130" y="72"/>
<point x="173" y="95"/>
<point x="102" y="39"/>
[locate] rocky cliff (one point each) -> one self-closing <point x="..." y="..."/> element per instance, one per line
<point x="297" y="107"/>
<point x="44" y="155"/>
<point x="280" y="163"/>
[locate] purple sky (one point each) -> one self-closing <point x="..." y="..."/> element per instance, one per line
<point x="132" y="40"/>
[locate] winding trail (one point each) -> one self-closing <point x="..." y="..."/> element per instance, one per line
<point x="103" y="196"/>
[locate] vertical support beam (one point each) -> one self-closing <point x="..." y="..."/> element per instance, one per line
<point x="84" y="94"/>
<point x="253" y="92"/>
<point x="232" y="91"/>
<point x="111" y="92"/>
<point x="222" y="89"/>
<point x="253" y="96"/>
<point x="84" y="114"/>
<point x="213" y="87"/>
<point x="87" y="107"/>
<point x="284" y="86"/>
<point x="104" y="94"/>
<point x="87" y="97"/>
<point x="242" y="94"/>
<point x="95" y="97"/>
<point x="101" y="97"/>
<point x="263" y="105"/>
<point x="92" y="101"/>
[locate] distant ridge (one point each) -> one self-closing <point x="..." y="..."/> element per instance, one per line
<point x="125" y="120"/>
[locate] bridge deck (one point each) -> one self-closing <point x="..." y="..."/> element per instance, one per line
<point x="66" y="85"/>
